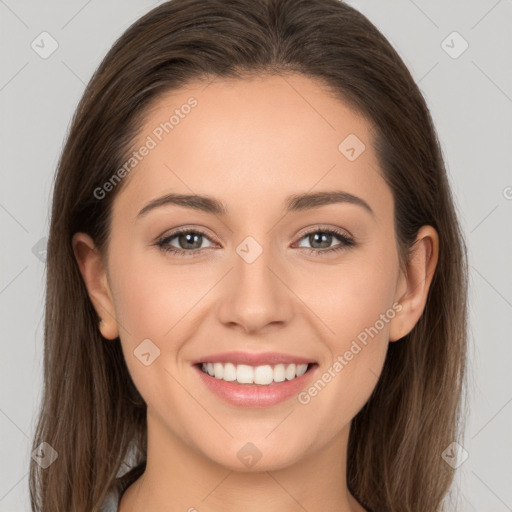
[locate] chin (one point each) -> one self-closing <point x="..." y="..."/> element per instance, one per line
<point x="256" y="456"/>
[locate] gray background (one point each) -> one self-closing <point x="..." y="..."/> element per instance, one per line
<point x="470" y="98"/>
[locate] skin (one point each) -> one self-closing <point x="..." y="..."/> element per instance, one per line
<point x="251" y="144"/>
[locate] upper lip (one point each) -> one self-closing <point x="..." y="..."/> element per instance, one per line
<point x="253" y="359"/>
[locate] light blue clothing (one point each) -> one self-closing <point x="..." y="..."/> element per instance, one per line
<point x="111" y="502"/>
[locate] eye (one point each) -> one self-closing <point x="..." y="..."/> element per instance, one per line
<point x="189" y="242"/>
<point x="321" y="240"/>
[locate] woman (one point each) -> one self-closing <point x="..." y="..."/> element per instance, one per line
<point x="256" y="286"/>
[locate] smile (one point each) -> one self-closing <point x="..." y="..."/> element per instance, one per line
<point x="264" y="375"/>
<point x="257" y="380"/>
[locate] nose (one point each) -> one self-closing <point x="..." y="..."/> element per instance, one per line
<point x="255" y="296"/>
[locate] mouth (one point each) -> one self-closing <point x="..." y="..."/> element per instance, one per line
<point x="263" y="375"/>
<point x="255" y="380"/>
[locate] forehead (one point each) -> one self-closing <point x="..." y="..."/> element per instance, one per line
<point x="247" y="140"/>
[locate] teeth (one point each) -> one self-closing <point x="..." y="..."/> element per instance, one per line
<point x="218" y="370"/>
<point x="301" y="369"/>
<point x="262" y="375"/>
<point x="290" y="372"/>
<point x="229" y="372"/>
<point x="279" y="373"/>
<point x="244" y="374"/>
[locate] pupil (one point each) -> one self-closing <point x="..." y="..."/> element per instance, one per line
<point x="185" y="239"/>
<point x="317" y="237"/>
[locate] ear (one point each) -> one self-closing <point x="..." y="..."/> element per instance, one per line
<point x="94" y="275"/>
<point x="413" y="286"/>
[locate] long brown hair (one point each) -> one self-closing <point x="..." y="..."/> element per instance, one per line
<point x="91" y="413"/>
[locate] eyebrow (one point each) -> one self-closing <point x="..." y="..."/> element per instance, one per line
<point x="294" y="203"/>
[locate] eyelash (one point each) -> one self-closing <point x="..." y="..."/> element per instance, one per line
<point x="346" y="242"/>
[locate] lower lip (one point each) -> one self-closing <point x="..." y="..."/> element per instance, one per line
<point x="255" y="395"/>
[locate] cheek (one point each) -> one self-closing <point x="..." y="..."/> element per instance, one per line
<point x="151" y="299"/>
<point x="357" y="307"/>
<point x="156" y="302"/>
<point x="351" y="296"/>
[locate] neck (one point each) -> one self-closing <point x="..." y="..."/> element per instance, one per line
<point x="179" y="478"/>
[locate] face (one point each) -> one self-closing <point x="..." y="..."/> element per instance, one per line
<point x="291" y="259"/>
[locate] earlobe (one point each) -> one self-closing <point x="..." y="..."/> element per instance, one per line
<point x="413" y="287"/>
<point x="94" y="274"/>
